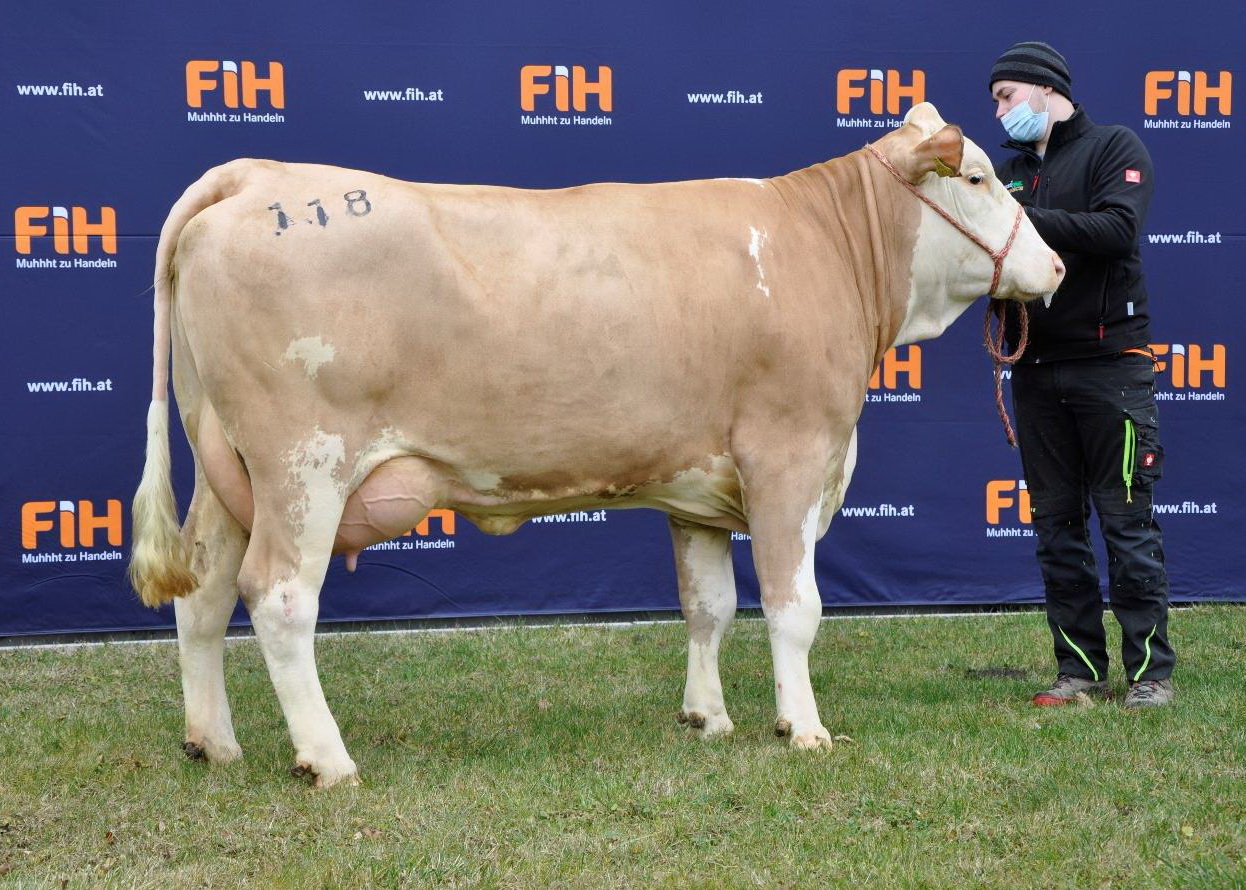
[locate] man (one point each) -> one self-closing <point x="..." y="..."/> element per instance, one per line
<point x="1083" y="392"/>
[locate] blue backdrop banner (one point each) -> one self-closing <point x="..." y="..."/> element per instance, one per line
<point x="111" y="110"/>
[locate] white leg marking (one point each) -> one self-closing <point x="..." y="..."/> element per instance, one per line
<point x="793" y="625"/>
<point x="285" y="621"/>
<point x="202" y="617"/>
<point x="284" y="614"/>
<point x="708" y="599"/>
<point x="201" y="621"/>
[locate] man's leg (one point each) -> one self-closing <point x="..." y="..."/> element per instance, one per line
<point x="1051" y="454"/>
<point x="1125" y="459"/>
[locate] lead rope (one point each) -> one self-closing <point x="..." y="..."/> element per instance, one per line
<point x="998" y="309"/>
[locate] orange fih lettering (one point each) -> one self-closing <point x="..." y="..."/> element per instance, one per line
<point x="32" y="524"/>
<point x="1191" y="92"/>
<point x="89" y="523"/>
<point x="998" y="499"/>
<point x="75" y="522"/>
<point x="571" y="87"/>
<point x="529" y="88"/>
<point x="889" y="369"/>
<point x="67" y="223"/>
<point x="447" y="522"/>
<point x="1187" y="364"/>
<point x="885" y="89"/>
<point x="106" y="229"/>
<point x="24" y="228"/>
<point x="236" y="83"/>
<point x="602" y="88"/>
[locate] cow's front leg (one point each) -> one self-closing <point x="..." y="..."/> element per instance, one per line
<point x="216" y="544"/>
<point x="784" y="522"/>
<point x="280" y="581"/>
<point x="707" y="597"/>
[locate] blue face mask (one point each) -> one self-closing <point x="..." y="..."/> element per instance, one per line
<point x="1023" y="123"/>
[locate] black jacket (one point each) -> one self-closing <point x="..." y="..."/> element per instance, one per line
<point x="1088" y="198"/>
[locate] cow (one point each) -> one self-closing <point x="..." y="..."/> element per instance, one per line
<point x="351" y="351"/>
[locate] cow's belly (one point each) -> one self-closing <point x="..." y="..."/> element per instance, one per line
<point x="708" y="493"/>
<point x="399" y="493"/>
<point x="392" y="499"/>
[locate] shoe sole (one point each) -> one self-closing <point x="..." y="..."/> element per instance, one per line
<point x="1050" y="701"/>
<point x="1056" y="701"/>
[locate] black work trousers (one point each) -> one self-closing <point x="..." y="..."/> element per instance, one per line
<point x="1088" y="433"/>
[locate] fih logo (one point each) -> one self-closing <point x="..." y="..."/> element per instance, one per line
<point x="71" y="227"/>
<point x="887" y="374"/>
<point x="236" y="82"/>
<point x="444" y="517"/>
<point x="75" y="523"/>
<point x="884" y="89"/>
<point x="1006" y="496"/>
<point x="1187" y="366"/>
<point x="1190" y="91"/>
<point x="570" y="87"/>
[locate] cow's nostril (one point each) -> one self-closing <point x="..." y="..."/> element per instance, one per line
<point x="1055" y="257"/>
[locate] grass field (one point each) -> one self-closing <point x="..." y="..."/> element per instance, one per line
<point x="550" y="757"/>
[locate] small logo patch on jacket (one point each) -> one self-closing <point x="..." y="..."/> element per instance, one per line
<point x="1133" y="176"/>
<point x="1015" y="186"/>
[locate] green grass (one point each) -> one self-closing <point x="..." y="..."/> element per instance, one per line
<point x="551" y="758"/>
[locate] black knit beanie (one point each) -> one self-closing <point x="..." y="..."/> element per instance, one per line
<point x="1033" y="62"/>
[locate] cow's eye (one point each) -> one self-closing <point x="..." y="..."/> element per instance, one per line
<point x="975" y="179"/>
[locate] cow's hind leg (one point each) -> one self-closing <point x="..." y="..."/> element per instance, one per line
<point x="216" y="543"/>
<point x="708" y="599"/>
<point x="280" y="581"/>
<point x="784" y="514"/>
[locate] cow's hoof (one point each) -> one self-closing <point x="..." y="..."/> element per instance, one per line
<point x="706" y="726"/>
<point x="211" y="752"/>
<point x="783" y="727"/>
<point x="326" y="777"/>
<point x="817" y="740"/>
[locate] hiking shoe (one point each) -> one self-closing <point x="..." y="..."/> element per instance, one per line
<point x="1065" y="691"/>
<point x="1149" y="694"/>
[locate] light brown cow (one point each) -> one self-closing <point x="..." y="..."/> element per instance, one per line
<point x="351" y="351"/>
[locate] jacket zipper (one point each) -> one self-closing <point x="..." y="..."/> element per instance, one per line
<point x="1103" y="303"/>
<point x="1034" y="186"/>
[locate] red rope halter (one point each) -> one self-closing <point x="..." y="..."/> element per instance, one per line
<point x="997" y="307"/>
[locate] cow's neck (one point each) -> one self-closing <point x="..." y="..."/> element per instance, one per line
<point x="937" y="283"/>
<point x="870" y="224"/>
<point x="935" y="296"/>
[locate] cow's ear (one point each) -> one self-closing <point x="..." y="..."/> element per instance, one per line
<point x="941" y="153"/>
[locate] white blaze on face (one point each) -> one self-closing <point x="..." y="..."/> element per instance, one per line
<point x="757" y="241"/>
<point x="312" y="352"/>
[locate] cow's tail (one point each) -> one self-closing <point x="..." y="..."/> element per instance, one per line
<point x="159" y="559"/>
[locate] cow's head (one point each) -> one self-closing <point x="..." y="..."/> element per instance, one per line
<point x="955" y="174"/>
